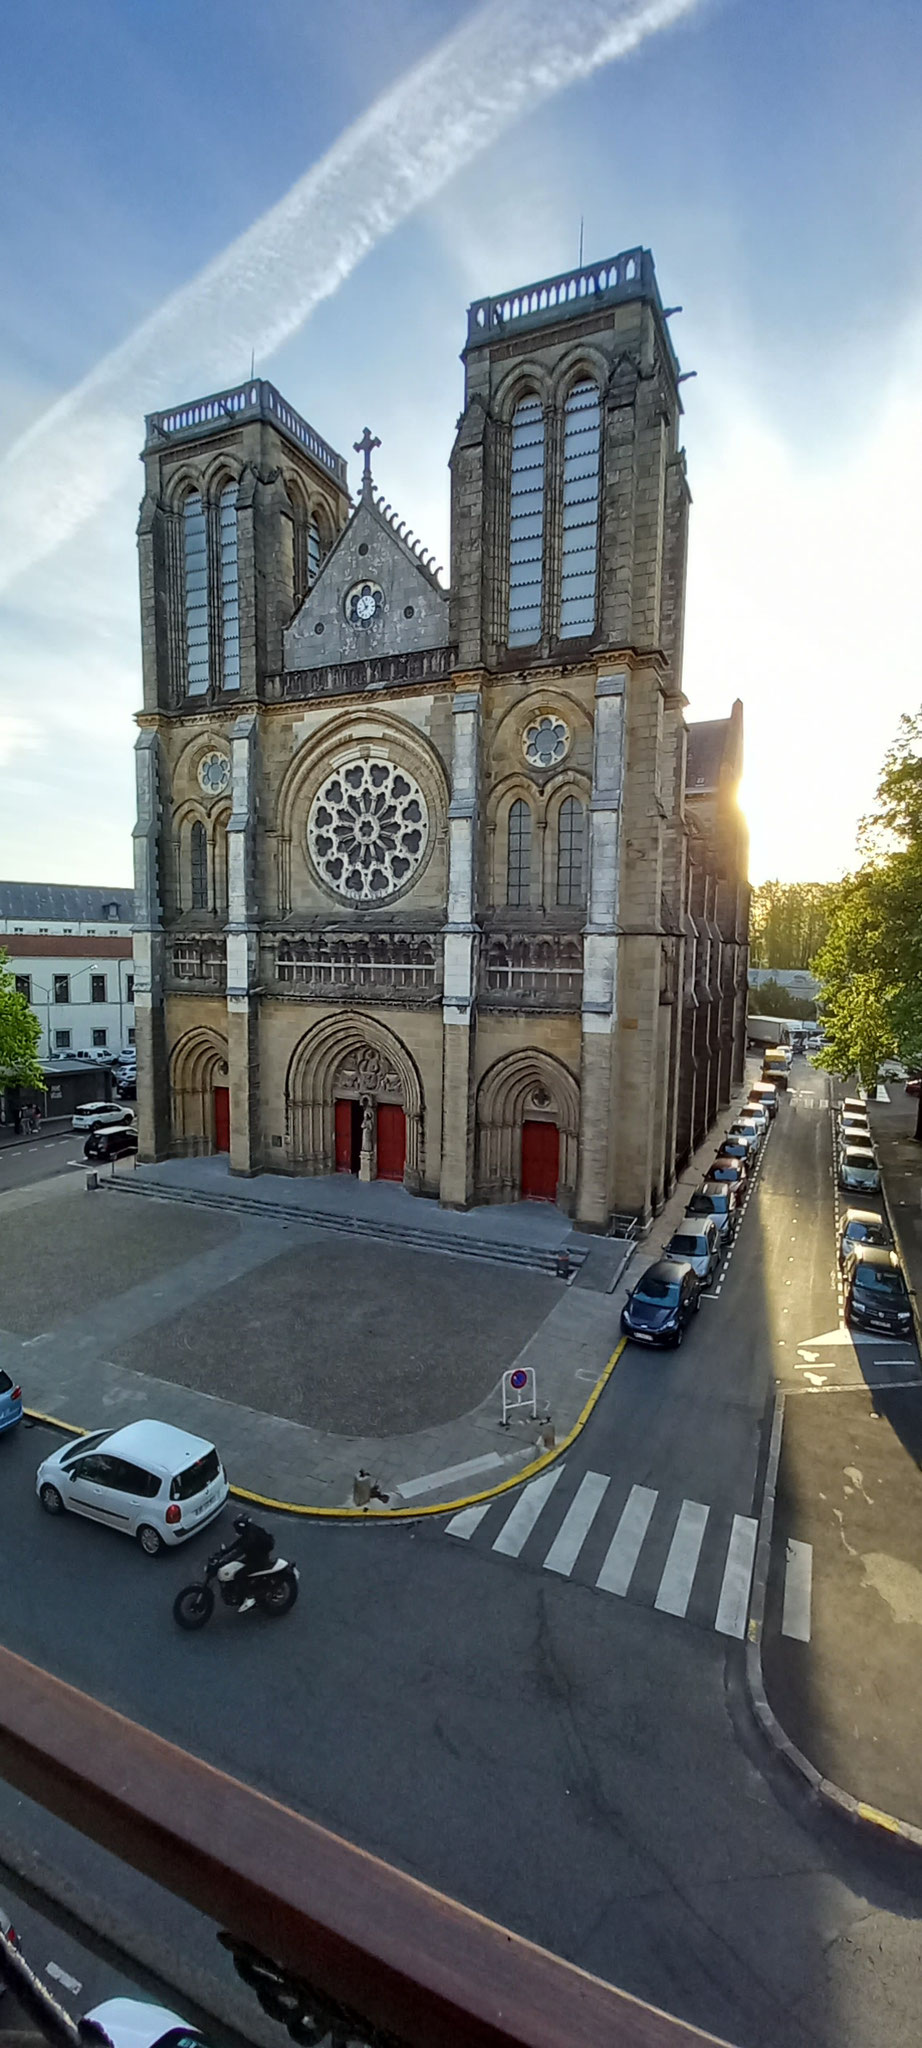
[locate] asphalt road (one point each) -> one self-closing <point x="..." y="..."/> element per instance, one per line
<point x="580" y="1764"/>
<point x="40" y="1158"/>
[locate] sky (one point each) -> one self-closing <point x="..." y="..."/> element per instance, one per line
<point x="181" y="185"/>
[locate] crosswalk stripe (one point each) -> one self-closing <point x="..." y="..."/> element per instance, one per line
<point x="682" y="1562"/>
<point x="518" y="1526"/>
<point x="463" y="1525"/>
<point x="576" y="1524"/>
<point x="627" y="1541"/>
<point x="798" y="1586"/>
<point x="733" y="1605"/>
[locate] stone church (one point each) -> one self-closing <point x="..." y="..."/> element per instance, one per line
<point x="417" y="895"/>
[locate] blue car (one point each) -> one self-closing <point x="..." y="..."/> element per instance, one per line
<point x="10" y="1402"/>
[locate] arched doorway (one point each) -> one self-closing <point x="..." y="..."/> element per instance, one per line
<point x="199" y="1093"/>
<point x="528" y="1130"/>
<point x="354" y="1103"/>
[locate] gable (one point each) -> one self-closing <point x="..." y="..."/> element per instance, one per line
<point x="374" y="596"/>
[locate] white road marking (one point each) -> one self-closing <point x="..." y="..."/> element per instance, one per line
<point x="430" y="1481"/>
<point x="626" y="1544"/>
<point x="463" y="1525"/>
<point x="733" y="1605"/>
<point x="682" y="1562"/>
<point x="798" y="1588"/>
<point x="70" y="1983"/>
<point x="576" y="1524"/>
<point x="518" y="1526"/>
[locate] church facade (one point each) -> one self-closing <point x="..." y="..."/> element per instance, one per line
<point x="413" y="890"/>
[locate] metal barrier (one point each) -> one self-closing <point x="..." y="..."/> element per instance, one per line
<point x="360" y="1948"/>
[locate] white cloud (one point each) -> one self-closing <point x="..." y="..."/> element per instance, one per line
<point x="17" y="735"/>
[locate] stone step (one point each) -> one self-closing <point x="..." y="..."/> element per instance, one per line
<point x="496" y="1251"/>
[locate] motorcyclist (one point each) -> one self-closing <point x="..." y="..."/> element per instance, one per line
<point x="255" y="1546"/>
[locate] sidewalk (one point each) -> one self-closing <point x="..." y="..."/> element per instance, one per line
<point x="52" y="1127"/>
<point x="71" y="1373"/>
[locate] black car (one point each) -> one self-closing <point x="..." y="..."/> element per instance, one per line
<point x="110" y="1143"/>
<point x="862" y="1226"/>
<point x="660" y="1307"/>
<point x="875" y="1291"/>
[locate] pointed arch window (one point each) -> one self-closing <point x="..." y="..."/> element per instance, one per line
<point x="198" y="865"/>
<point x="526" y="523"/>
<point x="518" y="854"/>
<point x="571" y="851"/>
<point x="314" y="550"/>
<point x="230" y="591"/>
<point x="582" y="440"/>
<point x="195" y="568"/>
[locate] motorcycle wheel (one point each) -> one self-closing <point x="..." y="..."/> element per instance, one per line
<point x="193" y="1606"/>
<point x="278" y="1597"/>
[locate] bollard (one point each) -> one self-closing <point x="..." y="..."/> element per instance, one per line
<point x="564" y="1266"/>
<point x="92" y="1181"/>
<point x="547" y="1435"/>
<point x="365" y="1489"/>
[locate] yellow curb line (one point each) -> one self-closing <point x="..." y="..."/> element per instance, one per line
<point x="446" y="1507"/>
<point x="879" y="1819"/>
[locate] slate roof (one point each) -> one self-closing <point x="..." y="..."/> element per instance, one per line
<point x="713" y="744"/>
<point x="62" y="903"/>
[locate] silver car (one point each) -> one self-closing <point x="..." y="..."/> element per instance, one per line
<point x="858" y="1170"/>
<point x="697" y="1241"/>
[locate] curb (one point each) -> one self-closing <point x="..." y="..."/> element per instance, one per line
<point x="378" y="1515"/>
<point x="898" y="1241"/>
<point x="871" y="1819"/>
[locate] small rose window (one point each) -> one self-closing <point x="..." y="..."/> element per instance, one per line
<point x="214" y="773"/>
<point x="368" y="830"/>
<point x="546" y="741"/>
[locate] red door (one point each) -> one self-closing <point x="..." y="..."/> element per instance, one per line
<point x="392" y="1142"/>
<point x="348" y="1127"/>
<point x="222" y="1119"/>
<point x="540" y="1162"/>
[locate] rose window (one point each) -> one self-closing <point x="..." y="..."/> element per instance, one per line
<point x="214" y="773"/>
<point x="546" y="741"/>
<point x="368" y="830"/>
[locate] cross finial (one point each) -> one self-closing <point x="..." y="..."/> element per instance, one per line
<point x="364" y="447"/>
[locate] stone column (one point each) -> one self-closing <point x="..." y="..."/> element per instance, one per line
<point x="600" y="943"/>
<point x="460" y="952"/>
<point x="149" y="947"/>
<point x="243" y="953"/>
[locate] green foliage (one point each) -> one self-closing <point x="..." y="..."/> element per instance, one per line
<point x="20" y="1032"/>
<point x="870" y="966"/>
<point x="788" y="924"/>
<point x="772" y="999"/>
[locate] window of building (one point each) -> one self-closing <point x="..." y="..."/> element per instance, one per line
<point x="129" y="988"/>
<point x="18" y="928"/>
<point x="582" y="439"/>
<point x="62" y="988"/>
<point x="97" y="988"/>
<point x="131" y="1034"/>
<point x="100" y="1038"/>
<point x="198" y="864"/>
<point x="518" y="866"/>
<point x="195" y="543"/>
<point x="62" y="1041"/>
<point x="230" y="594"/>
<point x="24" y="986"/>
<point x="314" y="551"/>
<point x="110" y="910"/>
<point x="571" y="851"/>
<point x="526" y="523"/>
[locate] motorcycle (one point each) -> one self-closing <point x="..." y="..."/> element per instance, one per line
<point x="274" y="1588"/>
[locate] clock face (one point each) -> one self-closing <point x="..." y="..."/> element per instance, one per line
<point x="364" y="603"/>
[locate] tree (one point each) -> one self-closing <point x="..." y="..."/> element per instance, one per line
<point x="772" y="999"/>
<point x="789" y="922"/>
<point x="20" y="1032"/>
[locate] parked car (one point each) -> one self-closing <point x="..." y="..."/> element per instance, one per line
<point x="132" y="2023"/>
<point x="748" y="1134"/>
<point x="854" y="1129"/>
<point x="110" y="1144"/>
<point x="862" y="1226"/>
<point x="854" y="1105"/>
<point x="776" y="1073"/>
<point x="858" y="1170"/>
<point x="658" y="1310"/>
<point x="697" y="1241"/>
<point x="765" y="1095"/>
<point x="10" y="1402"/>
<point x="91" y="1115"/>
<point x="128" y="1088"/>
<point x="914" y="1087"/>
<point x="755" y="1113"/>
<point x="875" y="1291"/>
<point x="152" y="1481"/>
<point x="726" y="1167"/>
<point x="717" y="1199"/>
<point x="892" y="1070"/>
<point x="9" y="1934"/>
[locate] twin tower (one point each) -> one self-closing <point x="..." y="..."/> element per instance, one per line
<point x="419" y="895"/>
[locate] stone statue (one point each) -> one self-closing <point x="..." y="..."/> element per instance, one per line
<point x="367" y="1160"/>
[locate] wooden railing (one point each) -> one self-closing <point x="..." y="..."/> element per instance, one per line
<point x="361" y="1938"/>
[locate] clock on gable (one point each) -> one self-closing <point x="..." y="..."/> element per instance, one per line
<point x="364" y="603"/>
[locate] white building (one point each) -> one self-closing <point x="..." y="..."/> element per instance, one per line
<point x="70" y="951"/>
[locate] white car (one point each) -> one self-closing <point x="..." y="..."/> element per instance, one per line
<point x="130" y="2023"/>
<point x="854" y="1129"/>
<point x="697" y="1241"/>
<point x="91" y="1115"/>
<point x="755" y="1113"/>
<point x="858" y="1170"/>
<point x="152" y="1481"/>
<point x="747" y="1135"/>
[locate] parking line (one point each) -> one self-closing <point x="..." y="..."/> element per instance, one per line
<point x="798" y="1591"/>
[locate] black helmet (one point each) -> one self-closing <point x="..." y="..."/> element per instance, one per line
<point x="241" y="1523"/>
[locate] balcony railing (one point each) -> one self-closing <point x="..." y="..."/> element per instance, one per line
<point x="255" y="400"/>
<point x="531" y="971"/>
<point x="391" y="967"/>
<point x="340" y="678"/>
<point x="372" y="1954"/>
<point x="628" y="276"/>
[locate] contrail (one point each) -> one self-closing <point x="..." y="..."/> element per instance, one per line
<point x="504" y="60"/>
